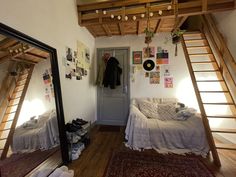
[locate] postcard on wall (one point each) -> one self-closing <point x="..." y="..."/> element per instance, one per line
<point x="162" y="57"/>
<point x="158" y="68"/>
<point x="154" y="77"/>
<point x="168" y="82"/>
<point x="166" y="70"/>
<point x="137" y="57"/>
<point x="148" y="52"/>
<point x="83" y="55"/>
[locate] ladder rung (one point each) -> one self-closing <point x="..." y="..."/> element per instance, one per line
<point x="202" y="62"/>
<point x="19" y="85"/>
<point x="15" y="98"/>
<point x="199" y="54"/>
<point x="203" y="71"/>
<point x="12" y="105"/>
<point x="192" y="34"/>
<point x="220" y="103"/>
<point x="223" y="116"/>
<point x="223" y="130"/>
<point x="2" y="130"/>
<point x="195" y="40"/>
<point x="2" y="139"/>
<point x="10" y="113"/>
<point x="209" y="80"/>
<point x="225" y="146"/>
<point x="214" y="91"/>
<point x="17" y="91"/>
<point x="7" y="121"/>
<point x="198" y="47"/>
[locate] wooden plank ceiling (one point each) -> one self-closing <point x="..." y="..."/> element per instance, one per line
<point x="12" y="49"/>
<point x="101" y="18"/>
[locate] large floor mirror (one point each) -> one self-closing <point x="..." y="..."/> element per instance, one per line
<point x="32" y="135"/>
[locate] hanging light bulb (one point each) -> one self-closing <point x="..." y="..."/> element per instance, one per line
<point x="118" y="17"/>
<point x="160" y="12"/>
<point x="134" y="17"/>
<point x="96" y="11"/>
<point x="151" y="14"/>
<point x="126" y="18"/>
<point x="169" y="7"/>
<point x="104" y="12"/>
<point x="142" y="15"/>
<point x="112" y="16"/>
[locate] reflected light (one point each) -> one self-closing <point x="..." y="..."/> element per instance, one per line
<point x="30" y="109"/>
<point x="185" y="93"/>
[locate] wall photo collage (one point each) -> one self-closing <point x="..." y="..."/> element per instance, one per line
<point x="152" y="63"/>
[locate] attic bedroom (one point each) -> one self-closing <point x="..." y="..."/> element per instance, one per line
<point x="118" y="88"/>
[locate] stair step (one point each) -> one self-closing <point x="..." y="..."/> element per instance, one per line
<point x="225" y="146"/>
<point x="2" y="130"/>
<point x="222" y="116"/>
<point x="7" y="121"/>
<point x="198" y="47"/>
<point x="195" y="40"/>
<point x="199" y="54"/>
<point x="202" y="62"/>
<point x="207" y="71"/>
<point x="214" y="91"/>
<point x="223" y="130"/>
<point x="209" y="80"/>
<point x="219" y="103"/>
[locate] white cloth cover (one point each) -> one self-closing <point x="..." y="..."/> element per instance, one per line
<point x="174" y="136"/>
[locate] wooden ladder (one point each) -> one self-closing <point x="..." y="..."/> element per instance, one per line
<point x="13" y="109"/>
<point x="214" y="98"/>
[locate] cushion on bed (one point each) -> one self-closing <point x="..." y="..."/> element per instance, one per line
<point x="149" y="109"/>
<point x="167" y="111"/>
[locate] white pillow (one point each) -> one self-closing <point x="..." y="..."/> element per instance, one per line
<point x="149" y="109"/>
<point x="167" y="111"/>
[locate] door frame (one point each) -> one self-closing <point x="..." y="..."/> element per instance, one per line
<point x="128" y="77"/>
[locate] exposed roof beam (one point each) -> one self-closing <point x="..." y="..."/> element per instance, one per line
<point x="121" y="27"/>
<point x="107" y="30"/>
<point x="35" y="56"/>
<point x="19" y="59"/>
<point x="181" y="20"/>
<point x="204" y="5"/>
<point x="157" y="28"/>
<point x="139" y="27"/>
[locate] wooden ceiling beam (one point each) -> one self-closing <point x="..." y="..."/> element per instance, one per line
<point x="181" y="20"/>
<point x="157" y="28"/>
<point x="107" y="30"/>
<point x="105" y="5"/>
<point x="121" y="28"/>
<point x="139" y="27"/>
<point x="36" y="56"/>
<point x="19" y="59"/>
<point x="204" y="5"/>
<point x="8" y="42"/>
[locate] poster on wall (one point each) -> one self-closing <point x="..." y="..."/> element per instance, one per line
<point x="83" y="55"/>
<point x="47" y="80"/>
<point x="137" y="57"/>
<point x="162" y="57"/>
<point x="154" y="77"/>
<point x="166" y="70"/>
<point x="148" y="52"/>
<point x="168" y="82"/>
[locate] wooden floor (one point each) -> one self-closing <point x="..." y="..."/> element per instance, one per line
<point x="94" y="159"/>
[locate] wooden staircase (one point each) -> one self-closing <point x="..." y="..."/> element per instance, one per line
<point x="214" y="98"/>
<point x="15" y="100"/>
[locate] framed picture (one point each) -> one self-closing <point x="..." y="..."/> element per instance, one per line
<point x="137" y="57"/>
<point x="148" y="52"/>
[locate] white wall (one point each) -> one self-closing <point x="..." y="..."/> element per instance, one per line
<point x="182" y="89"/>
<point x="227" y="26"/>
<point x="55" y="23"/>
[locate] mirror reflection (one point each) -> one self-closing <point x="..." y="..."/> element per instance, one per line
<point x="29" y="133"/>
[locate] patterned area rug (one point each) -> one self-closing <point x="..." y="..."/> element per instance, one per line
<point x="18" y="165"/>
<point x="142" y="164"/>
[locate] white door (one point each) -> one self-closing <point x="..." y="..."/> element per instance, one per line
<point x="113" y="104"/>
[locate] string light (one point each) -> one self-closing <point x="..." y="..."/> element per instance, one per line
<point x="104" y="12"/>
<point x="134" y="17"/>
<point x="119" y="17"/>
<point x="160" y="12"/>
<point x="112" y="16"/>
<point x="151" y="14"/>
<point x="96" y="11"/>
<point x="142" y="15"/>
<point x="169" y="7"/>
<point x="126" y="18"/>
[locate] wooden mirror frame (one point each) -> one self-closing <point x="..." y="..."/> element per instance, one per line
<point x="10" y="32"/>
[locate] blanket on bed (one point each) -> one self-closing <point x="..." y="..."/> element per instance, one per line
<point x="174" y="136"/>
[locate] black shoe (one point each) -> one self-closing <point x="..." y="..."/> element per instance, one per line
<point x="71" y="128"/>
<point x="81" y="121"/>
<point x="77" y="126"/>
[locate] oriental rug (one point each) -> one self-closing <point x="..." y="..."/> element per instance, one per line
<point x="18" y="165"/>
<point x="142" y="164"/>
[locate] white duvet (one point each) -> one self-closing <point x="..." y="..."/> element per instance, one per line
<point x="174" y="136"/>
<point x="44" y="135"/>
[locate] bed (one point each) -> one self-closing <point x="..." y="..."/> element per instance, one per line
<point x="41" y="133"/>
<point x="179" y="136"/>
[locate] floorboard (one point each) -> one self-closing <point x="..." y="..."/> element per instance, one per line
<point x="94" y="159"/>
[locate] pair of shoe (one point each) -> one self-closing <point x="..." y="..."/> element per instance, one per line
<point x="72" y="137"/>
<point x="71" y="127"/>
<point x="63" y="171"/>
<point x="80" y="121"/>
